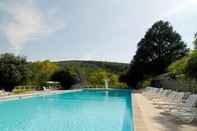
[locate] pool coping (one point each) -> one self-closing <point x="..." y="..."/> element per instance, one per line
<point x="110" y="89"/>
<point x="132" y="113"/>
<point x="139" y="124"/>
<point x="35" y="94"/>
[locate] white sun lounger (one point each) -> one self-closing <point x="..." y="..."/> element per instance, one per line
<point x="185" y="112"/>
<point x="185" y="116"/>
<point x="164" y="96"/>
<point x="173" y="98"/>
<point x="153" y="93"/>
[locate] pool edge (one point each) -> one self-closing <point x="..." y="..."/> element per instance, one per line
<point x="132" y="113"/>
<point x="37" y="94"/>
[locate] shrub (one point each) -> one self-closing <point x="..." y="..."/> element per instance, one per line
<point x="146" y="83"/>
<point x="65" y="78"/>
<point x="179" y="66"/>
<point x="192" y="66"/>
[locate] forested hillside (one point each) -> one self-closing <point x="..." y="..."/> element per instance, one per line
<point x="113" y="67"/>
<point x="16" y="71"/>
<point x="93" y="73"/>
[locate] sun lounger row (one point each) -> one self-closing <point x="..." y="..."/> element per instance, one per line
<point x="182" y="105"/>
<point x="3" y="93"/>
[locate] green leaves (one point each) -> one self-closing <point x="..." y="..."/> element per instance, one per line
<point x="97" y="77"/>
<point x="179" y="66"/>
<point x="160" y="46"/>
<point x="186" y="65"/>
<point x="191" y="67"/>
<point x="42" y="71"/>
<point x="13" y="71"/>
<point x="65" y="78"/>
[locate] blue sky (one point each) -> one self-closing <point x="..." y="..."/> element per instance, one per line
<point x="106" y="30"/>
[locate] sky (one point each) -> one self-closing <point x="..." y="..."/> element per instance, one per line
<point x="103" y="30"/>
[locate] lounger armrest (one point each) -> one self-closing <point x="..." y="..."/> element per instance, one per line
<point x="168" y="103"/>
<point x="183" y="109"/>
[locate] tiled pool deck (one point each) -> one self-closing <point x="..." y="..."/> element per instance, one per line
<point x="148" y="118"/>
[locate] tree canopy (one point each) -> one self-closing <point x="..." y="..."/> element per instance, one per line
<point x="42" y="71"/>
<point x="17" y="71"/>
<point x="179" y="67"/>
<point x="65" y="78"/>
<point x="93" y="73"/>
<point x="13" y="71"/>
<point x="160" y="46"/>
<point x="191" y="68"/>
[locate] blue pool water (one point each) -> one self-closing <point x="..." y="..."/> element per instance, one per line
<point x="77" y="111"/>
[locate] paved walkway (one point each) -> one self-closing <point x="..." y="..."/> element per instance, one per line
<point x="148" y="118"/>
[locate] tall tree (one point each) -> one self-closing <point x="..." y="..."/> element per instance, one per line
<point x="13" y="71"/>
<point x="160" y="46"/>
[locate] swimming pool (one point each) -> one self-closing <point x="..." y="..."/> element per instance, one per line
<point x="87" y="110"/>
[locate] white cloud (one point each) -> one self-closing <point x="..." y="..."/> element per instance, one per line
<point x="28" y="22"/>
<point x="181" y="7"/>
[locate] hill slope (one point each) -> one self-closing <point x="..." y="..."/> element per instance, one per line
<point x="112" y="67"/>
